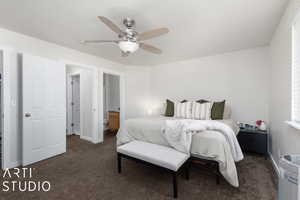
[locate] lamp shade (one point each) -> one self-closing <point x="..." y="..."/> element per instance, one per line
<point x="128" y="46"/>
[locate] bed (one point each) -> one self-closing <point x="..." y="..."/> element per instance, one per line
<point x="208" y="144"/>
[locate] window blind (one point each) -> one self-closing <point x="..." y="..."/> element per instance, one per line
<point x="296" y="72"/>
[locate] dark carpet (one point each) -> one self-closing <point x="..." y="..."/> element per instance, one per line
<point x="88" y="171"/>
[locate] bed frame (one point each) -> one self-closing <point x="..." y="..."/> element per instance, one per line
<point x="209" y="166"/>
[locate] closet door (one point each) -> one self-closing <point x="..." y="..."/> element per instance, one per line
<point x="44" y="108"/>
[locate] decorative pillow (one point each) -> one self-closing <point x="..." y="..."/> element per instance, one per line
<point x="217" y="110"/>
<point x="183" y="110"/>
<point x="201" y="111"/>
<point x="169" y="109"/>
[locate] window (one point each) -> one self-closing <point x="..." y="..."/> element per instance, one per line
<point x="296" y="72"/>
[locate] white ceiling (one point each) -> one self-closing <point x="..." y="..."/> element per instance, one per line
<point x="197" y="27"/>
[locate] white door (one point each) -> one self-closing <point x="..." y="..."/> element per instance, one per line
<point x="44" y="108"/>
<point x="76" y="104"/>
<point x="89" y="105"/>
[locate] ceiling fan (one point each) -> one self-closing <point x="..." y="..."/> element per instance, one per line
<point x="130" y="40"/>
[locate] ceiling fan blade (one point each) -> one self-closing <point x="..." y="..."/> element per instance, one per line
<point x="98" y="41"/>
<point x="110" y="24"/>
<point x="153" y="33"/>
<point x="150" y="48"/>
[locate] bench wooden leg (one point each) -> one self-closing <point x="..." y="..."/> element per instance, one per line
<point x="217" y="174"/>
<point x="187" y="170"/>
<point x="218" y="179"/>
<point x="119" y="163"/>
<point x="175" y="184"/>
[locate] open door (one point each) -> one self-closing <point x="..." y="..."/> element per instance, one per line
<point x="89" y="105"/>
<point x="44" y="108"/>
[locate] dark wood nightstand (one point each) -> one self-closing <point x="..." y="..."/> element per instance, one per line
<point x="254" y="141"/>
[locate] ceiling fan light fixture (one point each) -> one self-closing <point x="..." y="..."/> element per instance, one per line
<point x="128" y="46"/>
<point x="129" y="40"/>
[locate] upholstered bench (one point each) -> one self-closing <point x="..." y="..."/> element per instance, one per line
<point x="164" y="157"/>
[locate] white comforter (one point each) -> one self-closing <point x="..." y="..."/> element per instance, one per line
<point x="209" y="143"/>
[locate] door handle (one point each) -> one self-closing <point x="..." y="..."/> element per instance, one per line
<point x="27" y="115"/>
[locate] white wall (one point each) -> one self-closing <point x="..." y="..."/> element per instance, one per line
<point x="137" y="91"/>
<point x="25" y="44"/>
<point x="241" y="78"/>
<point x="284" y="139"/>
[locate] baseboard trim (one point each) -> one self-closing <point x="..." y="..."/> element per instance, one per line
<point x="97" y="141"/>
<point x="86" y="138"/>
<point x="275" y="166"/>
<point x="12" y="165"/>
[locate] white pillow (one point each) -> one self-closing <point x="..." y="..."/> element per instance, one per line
<point x="201" y="111"/>
<point x="183" y="110"/>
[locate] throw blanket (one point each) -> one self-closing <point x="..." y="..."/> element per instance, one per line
<point x="179" y="134"/>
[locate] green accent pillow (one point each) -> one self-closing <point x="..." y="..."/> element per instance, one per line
<point x="217" y="110"/>
<point x="169" y="109"/>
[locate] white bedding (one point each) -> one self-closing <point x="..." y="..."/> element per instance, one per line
<point x="209" y="144"/>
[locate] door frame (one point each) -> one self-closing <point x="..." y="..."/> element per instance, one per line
<point x="95" y="137"/>
<point x="69" y="101"/>
<point x="98" y="138"/>
<point x="121" y="75"/>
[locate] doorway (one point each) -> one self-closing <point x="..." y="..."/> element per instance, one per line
<point x="111" y="104"/>
<point x="75" y="103"/>
<point x="82" y="102"/>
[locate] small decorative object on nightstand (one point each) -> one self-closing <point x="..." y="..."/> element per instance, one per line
<point x="254" y="140"/>
<point x="261" y="125"/>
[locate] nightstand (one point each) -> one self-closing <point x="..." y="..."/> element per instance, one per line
<point x="255" y="141"/>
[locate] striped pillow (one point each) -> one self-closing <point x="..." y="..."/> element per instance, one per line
<point x="183" y="110"/>
<point x="201" y="111"/>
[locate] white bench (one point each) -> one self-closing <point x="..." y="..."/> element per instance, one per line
<point x="152" y="154"/>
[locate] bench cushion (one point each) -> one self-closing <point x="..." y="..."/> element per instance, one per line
<point x="162" y="156"/>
